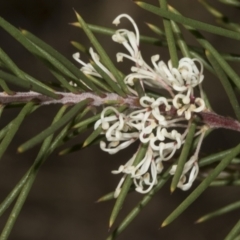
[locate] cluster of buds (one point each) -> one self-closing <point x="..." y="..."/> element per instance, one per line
<point x="162" y="122"/>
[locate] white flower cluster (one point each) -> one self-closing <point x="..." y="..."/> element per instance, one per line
<point x="152" y="125"/>
<point x="158" y="121"/>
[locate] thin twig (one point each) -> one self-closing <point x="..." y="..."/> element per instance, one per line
<point x="68" y="98"/>
<point x="209" y="118"/>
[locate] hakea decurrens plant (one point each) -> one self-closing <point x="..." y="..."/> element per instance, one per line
<point x="162" y="122"/>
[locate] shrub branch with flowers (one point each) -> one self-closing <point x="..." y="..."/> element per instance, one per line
<point x="162" y="123"/>
<point x="169" y="124"/>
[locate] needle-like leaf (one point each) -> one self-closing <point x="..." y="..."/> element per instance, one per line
<point x="226" y="84"/>
<point x="80" y="47"/>
<point x="43" y="153"/>
<point x="213" y="158"/>
<point x="45" y="133"/>
<point x="14" y="126"/>
<point x="108" y="80"/>
<point x="234" y="3"/>
<point x="103" y="55"/>
<point x="156" y="29"/>
<point x="189" y="22"/>
<point x="219" y="212"/>
<point x="202" y="186"/>
<point x="183" y="157"/>
<point x="180" y="41"/>
<point x="234" y="232"/>
<point x="106" y="197"/>
<point x="61" y="63"/>
<point x="92" y="136"/>
<point x="5" y="88"/>
<point x="169" y="36"/>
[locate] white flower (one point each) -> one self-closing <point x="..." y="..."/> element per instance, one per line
<point x="145" y="173"/>
<point x="162" y="123"/>
<point x="183" y="105"/>
<point x="88" y="69"/>
<point x="192" y="166"/>
<point x="153" y="127"/>
<point x="185" y="77"/>
<point x="129" y="39"/>
<point x="181" y="79"/>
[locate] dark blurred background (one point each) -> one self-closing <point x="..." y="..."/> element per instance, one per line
<point x="61" y="204"/>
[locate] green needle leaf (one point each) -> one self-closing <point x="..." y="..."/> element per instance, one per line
<point x="80" y="47"/>
<point x="4" y="131"/>
<point x="22" y="79"/>
<point x="65" y="119"/>
<point x="51" y="52"/>
<point x="156" y="30"/>
<point x="189" y="22"/>
<point x="225" y="66"/>
<point x="169" y="36"/>
<point x="58" y="61"/>
<point x="214" y="158"/>
<point x="34" y="84"/>
<point x="96" y="29"/>
<point x="110" y="82"/>
<point x="41" y="50"/>
<point x="74" y="148"/>
<point x="202" y="186"/>
<point x="76" y="132"/>
<point x="157" y="42"/>
<point x="14" y="126"/>
<point x="64" y="81"/>
<point x="31" y="46"/>
<point x="26" y="84"/>
<point x="111" y="31"/>
<point x="126" y="185"/>
<point x="106" y="197"/>
<point x="103" y="55"/>
<point x="231" y="57"/>
<point x="228" y="182"/>
<point x="83" y="113"/>
<point x="220" y="18"/>
<point x="226" y="84"/>
<point x="31" y="175"/>
<point x="92" y="136"/>
<point x="234" y="232"/>
<point x="138" y="88"/>
<point x="5" y="88"/>
<point x="234" y="3"/>
<point x="211" y="9"/>
<point x="10" y="64"/>
<point x="180" y="41"/>
<point x="100" y="83"/>
<point x="13" y="194"/>
<point x="219" y="212"/>
<point x="183" y="157"/>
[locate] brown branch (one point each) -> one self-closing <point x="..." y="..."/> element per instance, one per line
<point x="214" y="120"/>
<point x="68" y="98"/>
<point x="211" y="119"/>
